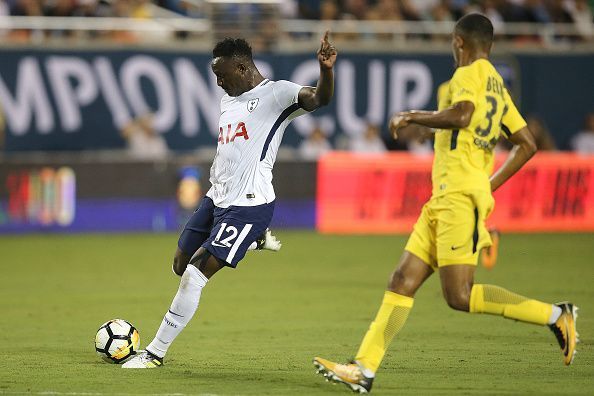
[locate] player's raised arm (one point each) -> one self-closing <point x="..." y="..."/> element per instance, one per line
<point x="456" y="116"/>
<point x="313" y="98"/>
<point x="524" y="149"/>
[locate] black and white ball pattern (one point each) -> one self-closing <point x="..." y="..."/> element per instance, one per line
<point x="117" y="340"/>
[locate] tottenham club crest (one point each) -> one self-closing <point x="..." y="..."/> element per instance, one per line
<point x="252" y="104"/>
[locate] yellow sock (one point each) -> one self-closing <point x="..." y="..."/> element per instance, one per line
<point x="388" y="322"/>
<point x="498" y="301"/>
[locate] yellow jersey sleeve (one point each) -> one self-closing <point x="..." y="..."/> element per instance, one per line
<point x="512" y="121"/>
<point x="465" y="85"/>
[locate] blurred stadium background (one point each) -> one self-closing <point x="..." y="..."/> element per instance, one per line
<point x="109" y="109"/>
<point x="109" y="117"/>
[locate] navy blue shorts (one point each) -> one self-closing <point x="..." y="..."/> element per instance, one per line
<point x="226" y="233"/>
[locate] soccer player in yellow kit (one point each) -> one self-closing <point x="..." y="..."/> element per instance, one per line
<point x="474" y="109"/>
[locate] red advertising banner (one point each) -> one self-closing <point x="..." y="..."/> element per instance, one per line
<point x="385" y="193"/>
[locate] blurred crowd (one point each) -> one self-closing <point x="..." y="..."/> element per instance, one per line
<point x="83" y="8"/>
<point x="542" y="11"/>
<point x="138" y="9"/>
<point x="576" y="12"/>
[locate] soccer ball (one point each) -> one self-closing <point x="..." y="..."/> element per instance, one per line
<point x="116" y="341"/>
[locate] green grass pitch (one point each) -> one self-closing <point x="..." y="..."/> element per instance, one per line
<point x="259" y="326"/>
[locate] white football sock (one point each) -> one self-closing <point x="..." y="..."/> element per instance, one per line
<point x="182" y="309"/>
<point x="555" y="314"/>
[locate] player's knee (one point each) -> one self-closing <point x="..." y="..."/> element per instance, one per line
<point x="180" y="262"/>
<point x="177" y="268"/>
<point x="402" y="284"/>
<point x="457" y="299"/>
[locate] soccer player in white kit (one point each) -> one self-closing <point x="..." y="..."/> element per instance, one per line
<point x="238" y="207"/>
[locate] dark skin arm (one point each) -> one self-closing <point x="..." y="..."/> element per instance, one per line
<point x="524" y="148"/>
<point x="456" y="117"/>
<point x="311" y="98"/>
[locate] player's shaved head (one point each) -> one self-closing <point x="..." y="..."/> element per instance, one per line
<point x="232" y="47"/>
<point x="475" y="29"/>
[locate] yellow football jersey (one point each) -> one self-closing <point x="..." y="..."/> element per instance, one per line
<point x="464" y="157"/>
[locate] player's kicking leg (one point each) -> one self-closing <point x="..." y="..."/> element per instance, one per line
<point x="226" y="244"/>
<point x="391" y="317"/>
<point x="463" y="294"/>
<point x="185" y="303"/>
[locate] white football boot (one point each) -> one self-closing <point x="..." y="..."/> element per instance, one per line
<point x="144" y="360"/>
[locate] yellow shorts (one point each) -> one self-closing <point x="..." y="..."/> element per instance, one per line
<point x="451" y="229"/>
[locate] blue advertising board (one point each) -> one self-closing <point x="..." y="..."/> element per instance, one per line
<point x="74" y="100"/>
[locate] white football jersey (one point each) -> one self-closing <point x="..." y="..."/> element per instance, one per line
<point x="251" y="128"/>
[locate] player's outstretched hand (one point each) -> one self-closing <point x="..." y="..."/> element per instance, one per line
<point x="327" y="53"/>
<point x="398" y="122"/>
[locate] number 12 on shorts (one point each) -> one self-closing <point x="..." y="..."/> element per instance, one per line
<point x="227" y="237"/>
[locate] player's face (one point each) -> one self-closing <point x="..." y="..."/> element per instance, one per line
<point x="229" y="75"/>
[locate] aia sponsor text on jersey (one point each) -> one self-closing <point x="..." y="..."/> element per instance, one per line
<point x="229" y="137"/>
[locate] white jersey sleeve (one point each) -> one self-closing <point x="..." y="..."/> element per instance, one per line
<point x="286" y="94"/>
